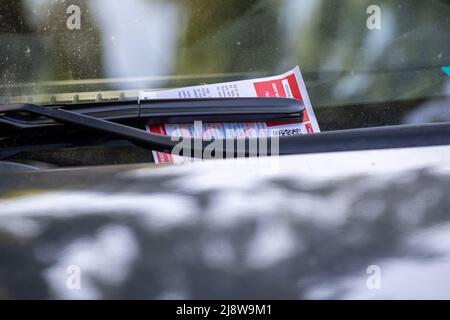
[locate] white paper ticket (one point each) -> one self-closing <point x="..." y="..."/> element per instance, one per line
<point x="287" y="85"/>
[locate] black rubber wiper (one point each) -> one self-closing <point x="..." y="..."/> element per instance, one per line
<point x="20" y="116"/>
<point x="400" y="136"/>
<point x="100" y="117"/>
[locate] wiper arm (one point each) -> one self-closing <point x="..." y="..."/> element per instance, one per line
<point x="164" y="111"/>
<point x="401" y="136"/>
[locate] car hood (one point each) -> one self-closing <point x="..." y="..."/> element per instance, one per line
<point x="349" y="225"/>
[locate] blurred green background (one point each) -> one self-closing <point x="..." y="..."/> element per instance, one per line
<point x="124" y="46"/>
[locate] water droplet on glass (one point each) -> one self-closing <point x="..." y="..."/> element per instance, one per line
<point x="28" y="52"/>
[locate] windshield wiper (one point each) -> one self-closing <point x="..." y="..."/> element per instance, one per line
<point x="401" y="136"/>
<point x="23" y="116"/>
<point x="100" y="117"/>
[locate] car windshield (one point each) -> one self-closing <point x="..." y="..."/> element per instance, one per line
<point x="352" y="53"/>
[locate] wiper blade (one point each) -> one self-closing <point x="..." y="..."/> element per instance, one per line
<point x="164" y="111"/>
<point x="401" y="136"/>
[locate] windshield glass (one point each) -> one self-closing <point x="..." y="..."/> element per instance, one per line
<point x="350" y="52"/>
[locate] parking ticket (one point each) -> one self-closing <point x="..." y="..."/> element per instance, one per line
<point x="287" y="85"/>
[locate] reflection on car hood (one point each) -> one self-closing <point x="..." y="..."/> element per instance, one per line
<point x="228" y="230"/>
